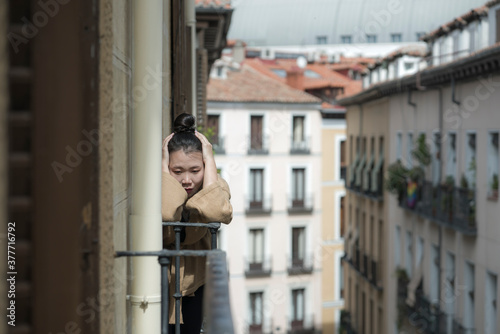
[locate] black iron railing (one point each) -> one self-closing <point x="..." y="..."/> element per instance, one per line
<point x="458" y="328"/>
<point x="368" y="185"/>
<point x="301" y="146"/>
<point x="446" y="205"/>
<point x="300" y="264"/>
<point x="216" y="299"/>
<point x="300" y="204"/>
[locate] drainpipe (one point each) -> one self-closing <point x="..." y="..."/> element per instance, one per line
<point x="190" y="14"/>
<point x="146" y="141"/>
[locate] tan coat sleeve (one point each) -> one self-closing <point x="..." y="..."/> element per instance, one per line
<point x="173" y="197"/>
<point x="209" y="205"/>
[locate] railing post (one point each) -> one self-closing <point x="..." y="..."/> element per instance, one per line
<point x="177" y="294"/>
<point x="164" y="262"/>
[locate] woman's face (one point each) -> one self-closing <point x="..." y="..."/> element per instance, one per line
<point x="188" y="169"/>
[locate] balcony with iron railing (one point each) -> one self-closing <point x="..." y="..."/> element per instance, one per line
<point x="218" y="145"/>
<point x="258" y="267"/>
<point x="346" y="326"/>
<point x="458" y="328"/>
<point x="300" y="146"/>
<point x="302" y="325"/>
<point x="258" y="145"/>
<point x="216" y="293"/>
<point x="298" y="204"/>
<point x="367" y="183"/>
<point x="449" y="206"/>
<point x="432" y="318"/>
<point x="258" y="205"/>
<point x="368" y="269"/>
<point x="300" y="265"/>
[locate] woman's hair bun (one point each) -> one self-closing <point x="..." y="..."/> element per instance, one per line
<point x="184" y="123"/>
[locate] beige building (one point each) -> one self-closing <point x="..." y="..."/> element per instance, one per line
<point x="333" y="166"/>
<point x="438" y="235"/>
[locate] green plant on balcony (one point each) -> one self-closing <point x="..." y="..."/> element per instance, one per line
<point x="421" y="151"/>
<point x="395" y="182"/>
<point x="447" y="197"/>
<point x="494" y="186"/>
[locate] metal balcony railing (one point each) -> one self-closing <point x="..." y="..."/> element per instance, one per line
<point x="258" y="145"/>
<point x="300" y="265"/>
<point x="301" y="325"/>
<point x="258" y="267"/>
<point x="258" y="205"/>
<point x="300" y="146"/>
<point x="368" y="184"/>
<point x="448" y="206"/>
<point x="218" y="145"/>
<point x="458" y="328"/>
<point x="218" y="313"/>
<point x="300" y="204"/>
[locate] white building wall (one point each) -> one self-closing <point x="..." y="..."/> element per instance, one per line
<point x="277" y="124"/>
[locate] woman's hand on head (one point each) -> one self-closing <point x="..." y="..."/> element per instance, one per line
<point x="165" y="160"/>
<point x="208" y="159"/>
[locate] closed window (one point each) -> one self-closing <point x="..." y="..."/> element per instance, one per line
<point x="213" y="125"/>
<point x="346" y="39"/>
<point x="256" y="312"/>
<point x="371" y="38"/>
<point x="321" y="40"/>
<point x="256" y="188"/>
<point x="297" y="308"/>
<point x="256" y="251"/>
<point x="256" y="136"/>
<point x="298" y="185"/>
<point x="343" y="162"/>
<point x="298" y="246"/>
<point x="396" y="38"/>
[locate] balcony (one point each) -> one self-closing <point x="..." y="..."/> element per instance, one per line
<point x="297" y="204"/>
<point x="458" y="328"/>
<point x="368" y="184"/>
<point x="300" y="146"/>
<point x="258" y="145"/>
<point x="300" y="265"/>
<point x="218" y="145"/>
<point x="258" y="205"/>
<point x="369" y="270"/>
<point x="450" y="207"/>
<point x="432" y="320"/>
<point x="345" y="323"/>
<point x="302" y="326"/>
<point x="258" y="267"/>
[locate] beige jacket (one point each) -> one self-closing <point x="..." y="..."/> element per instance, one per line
<point x="211" y="204"/>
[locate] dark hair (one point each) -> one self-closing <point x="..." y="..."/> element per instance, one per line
<point x="184" y="137"/>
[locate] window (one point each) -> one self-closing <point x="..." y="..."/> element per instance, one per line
<point x="298" y="246"/>
<point x="409" y="147"/>
<point x="434" y="272"/>
<point x="371" y="38"/>
<point x="420" y="35"/>
<point x="346" y="39"/>
<point x="399" y="146"/>
<point x="341" y="279"/>
<point x="215" y="139"/>
<point x="397" y="247"/>
<point x="321" y="39"/>
<point x="279" y="72"/>
<point x="311" y="74"/>
<point x="451" y="160"/>
<point x="298" y="309"/>
<point x="396" y="38"/>
<point x="470" y="159"/>
<point x="299" y="143"/>
<point x="343" y="163"/>
<point x="256" y="249"/>
<point x="409" y="253"/>
<point x="469" y="295"/>
<point x="342" y="216"/>
<point x="436" y="158"/>
<point x="256" y="188"/>
<point x="497" y="28"/>
<point x="490" y="324"/>
<point x="298" y="185"/>
<point x="256" y="134"/>
<point x="256" y="312"/>
<point x="493" y="158"/>
<point x="408" y="65"/>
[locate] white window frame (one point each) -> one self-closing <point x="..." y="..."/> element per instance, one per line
<point x="336" y="219"/>
<point x="338" y="139"/>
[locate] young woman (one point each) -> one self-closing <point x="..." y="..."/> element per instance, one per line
<point x="191" y="192"/>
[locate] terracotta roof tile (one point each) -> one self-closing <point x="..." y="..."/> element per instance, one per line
<point x="249" y="85"/>
<point x="460" y="21"/>
<point x="225" y="4"/>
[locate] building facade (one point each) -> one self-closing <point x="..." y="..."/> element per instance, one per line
<point x="269" y="150"/>
<point x="440" y="270"/>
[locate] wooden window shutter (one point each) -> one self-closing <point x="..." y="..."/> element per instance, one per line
<point x="201" y="87"/>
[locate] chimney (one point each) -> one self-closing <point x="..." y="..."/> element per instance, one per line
<point x="295" y="78"/>
<point x="239" y="51"/>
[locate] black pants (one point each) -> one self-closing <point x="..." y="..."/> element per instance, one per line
<point x="192" y="313"/>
